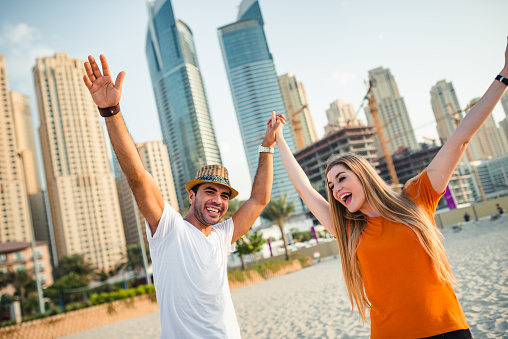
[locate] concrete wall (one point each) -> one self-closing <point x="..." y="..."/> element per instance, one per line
<point x="476" y="211"/>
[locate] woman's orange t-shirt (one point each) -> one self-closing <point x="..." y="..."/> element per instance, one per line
<point x="407" y="299"/>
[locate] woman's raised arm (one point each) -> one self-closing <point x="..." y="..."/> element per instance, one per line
<point x="314" y="201"/>
<point x="441" y="168"/>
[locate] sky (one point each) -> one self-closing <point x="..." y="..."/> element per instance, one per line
<point x="329" y="45"/>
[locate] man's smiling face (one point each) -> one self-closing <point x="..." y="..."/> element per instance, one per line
<point x="210" y="203"/>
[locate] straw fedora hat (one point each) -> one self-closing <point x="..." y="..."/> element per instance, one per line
<point x="212" y="173"/>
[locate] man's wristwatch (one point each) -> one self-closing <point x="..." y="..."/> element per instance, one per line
<point x="502" y="79"/>
<point x="263" y="149"/>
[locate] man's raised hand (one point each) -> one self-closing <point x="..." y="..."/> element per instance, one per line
<point x="104" y="92"/>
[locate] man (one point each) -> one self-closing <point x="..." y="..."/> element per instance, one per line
<point x="189" y="255"/>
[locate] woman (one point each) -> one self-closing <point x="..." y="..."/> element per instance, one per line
<point x="392" y="255"/>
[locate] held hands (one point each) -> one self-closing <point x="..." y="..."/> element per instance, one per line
<point x="104" y="92"/>
<point x="274" y="129"/>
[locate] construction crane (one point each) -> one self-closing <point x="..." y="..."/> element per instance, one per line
<point x="382" y="140"/>
<point x="295" y="126"/>
<point x="456" y="118"/>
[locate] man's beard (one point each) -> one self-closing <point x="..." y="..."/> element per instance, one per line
<point x="202" y="217"/>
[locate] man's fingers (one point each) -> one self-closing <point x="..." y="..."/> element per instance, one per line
<point x="119" y="80"/>
<point x="87" y="81"/>
<point x="273" y="118"/>
<point x="105" y="66"/>
<point x="89" y="71"/>
<point x="95" y="67"/>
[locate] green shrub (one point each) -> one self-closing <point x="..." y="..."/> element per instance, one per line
<point x="8" y="323"/>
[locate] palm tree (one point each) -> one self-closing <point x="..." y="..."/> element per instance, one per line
<point x="19" y="279"/>
<point x="248" y="244"/>
<point x="278" y="211"/>
<point x="74" y="263"/>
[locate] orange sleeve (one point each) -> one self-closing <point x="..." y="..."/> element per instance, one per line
<point x="419" y="189"/>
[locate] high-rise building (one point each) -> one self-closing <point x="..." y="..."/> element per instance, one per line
<point x="392" y="111"/>
<point x="313" y="158"/>
<point x="409" y="163"/>
<point x="26" y="147"/>
<point x="81" y="186"/>
<point x="255" y="89"/>
<point x="185" y="121"/>
<point x="340" y="115"/>
<point x="490" y="138"/>
<point x="154" y="156"/>
<point x="504" y="102"/>
<point x="446" y="108"/>
<point x="14" y="214"/>
<point x="299" y="118"/>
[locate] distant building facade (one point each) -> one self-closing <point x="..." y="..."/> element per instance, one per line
<point x="26" y="147"/>
<point x="17" y="256"/>
<point x="81" y="187"/>
<point x="295" y="99"/>
<point x="340" y="115"/>
<point x="409" y="163"/>
<point x="14" y="215"/>
<point x="255" y="90"/>
<point x="392" y="111"/>
<point x="492" y="141"/>
<point x="493" y="175"/>
<point x="184" y="116"/>
<point x="154" y="155"/>
<point x="313" y="159"/>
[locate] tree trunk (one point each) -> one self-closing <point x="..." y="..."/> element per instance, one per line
<point x="244" y="266"/>
<point x="285" y="240"/>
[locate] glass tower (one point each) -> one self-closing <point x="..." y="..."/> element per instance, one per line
<point x="185" y="121"/>
<point x="255" y="89"/>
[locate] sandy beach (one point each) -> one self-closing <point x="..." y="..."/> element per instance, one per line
<point x="313" y="302"/>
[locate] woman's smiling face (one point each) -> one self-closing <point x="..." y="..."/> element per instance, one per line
<point x="347" y="189"/>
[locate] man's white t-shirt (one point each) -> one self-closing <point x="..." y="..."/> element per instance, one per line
<point x="190" y="277"/>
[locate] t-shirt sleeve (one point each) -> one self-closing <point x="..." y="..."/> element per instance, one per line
<point x="226" y="229"/>
<point x="165" y="227"/>
<point x="420" y="190"/>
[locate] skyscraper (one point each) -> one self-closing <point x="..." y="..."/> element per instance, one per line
<point x="300" y="120"/>
<point x="182" y="105"/>
<point x="340" y="115"/>
<point x="446" y="108"/>
<point x="14" y="214"/>
<point x="81" y="186"/>
<point x="26" y="147"/>
<point x="492" y="143"/>
<point x="392" y="111"/>
<point x="255" y="89"/>
<point x="487" y="143"/>
<point x="154" y="156"/>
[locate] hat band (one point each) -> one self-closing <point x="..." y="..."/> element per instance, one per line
<point x="215" y="178"/>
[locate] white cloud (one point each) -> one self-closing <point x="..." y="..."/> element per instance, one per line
<point x="344" y="78"/>
<point x="380" y="37"/>
<point x="20" y="44"/>
<point x="19" y="35"/>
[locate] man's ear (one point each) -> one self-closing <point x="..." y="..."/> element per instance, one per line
<point x="192" y="196"/>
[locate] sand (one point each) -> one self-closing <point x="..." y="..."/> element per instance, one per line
<point x="313" y="302"/>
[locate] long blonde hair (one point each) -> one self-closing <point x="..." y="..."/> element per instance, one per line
<point x="392" y="206"/>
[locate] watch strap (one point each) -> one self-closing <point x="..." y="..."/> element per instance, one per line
<point x="503" y="79"/>
<point x="109" y="111"/>
<point x="263" y="149"/>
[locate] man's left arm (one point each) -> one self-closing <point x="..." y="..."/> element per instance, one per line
<point x="261" y="188"/>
